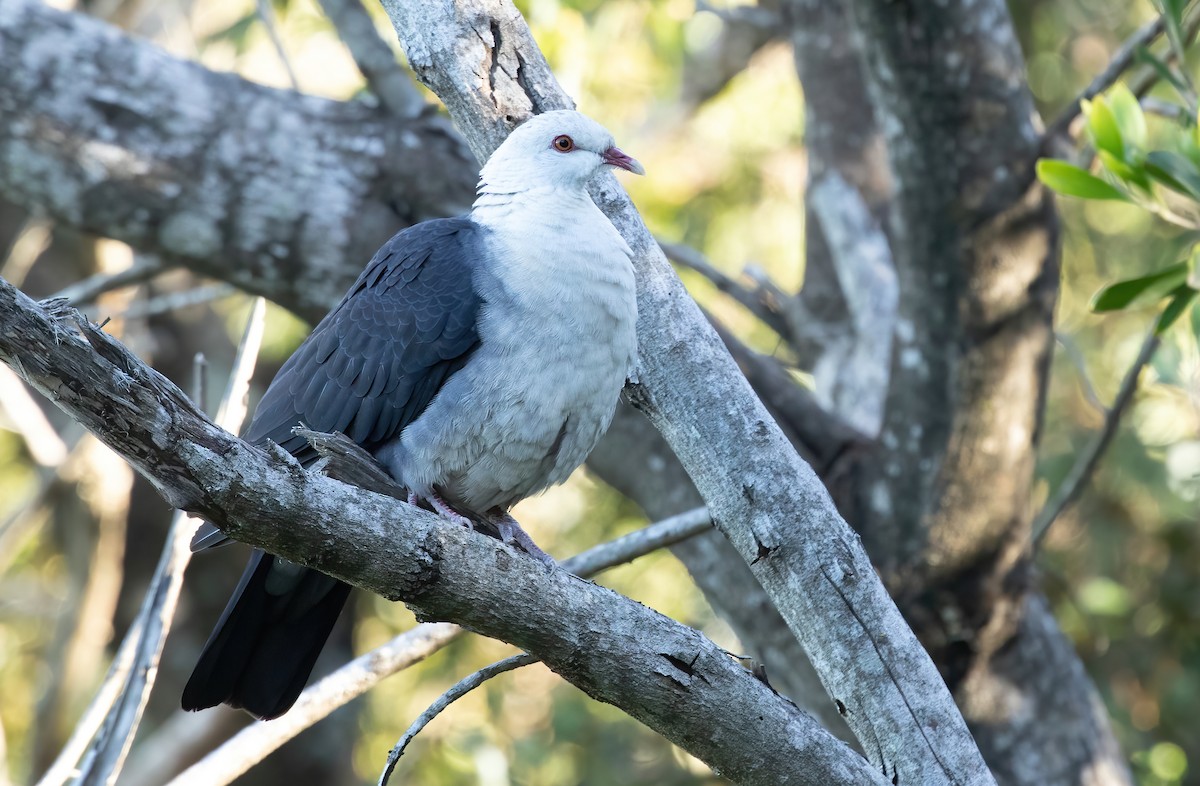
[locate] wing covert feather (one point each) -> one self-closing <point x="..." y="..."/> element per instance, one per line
<point x="376" y="361"/>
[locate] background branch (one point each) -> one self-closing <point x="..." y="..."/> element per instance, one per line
<point x="279" y="194"/>
<point x="1086" y="462"/>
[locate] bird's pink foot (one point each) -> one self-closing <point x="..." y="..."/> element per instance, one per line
<point x="511" y="532"/>
<point x="441" y="507"/>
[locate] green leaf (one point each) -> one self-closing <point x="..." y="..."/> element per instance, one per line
<point x="1174" y="171"/>
<point x="1129" y="174"/>
<point x="1102" y="126"/>
<point x="1129" y="116"/>
<point x="1181" y="298"/>
<point x="1115" y="297"/>
<point x="1070" y="180"/>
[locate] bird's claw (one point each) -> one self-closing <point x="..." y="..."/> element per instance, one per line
<point x="441" y="507"/>
<point x="511" y="532"/>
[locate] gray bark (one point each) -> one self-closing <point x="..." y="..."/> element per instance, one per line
<point x="762" y="496"/>
<point x="943" y="502"/>
<point x="667" y="675"/>
<point x="111" y="135"/>
<point x="1065" y="734"/>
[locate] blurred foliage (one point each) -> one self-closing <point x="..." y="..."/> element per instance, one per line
<point x="1122" y="566"/>
<point x="726" y="176"/>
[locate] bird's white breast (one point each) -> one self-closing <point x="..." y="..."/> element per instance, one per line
<point x="558" y="340"/>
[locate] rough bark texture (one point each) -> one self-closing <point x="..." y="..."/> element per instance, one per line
<point x="124" y="139"/>
<point x="660" y="485"/>
<point x="667" y="675"/>
<point x="943" y="503"/>
<point x="111" y="135"/>
<point x="762" y="496"/>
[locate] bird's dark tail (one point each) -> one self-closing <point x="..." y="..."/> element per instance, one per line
<point x="263" y="648"/>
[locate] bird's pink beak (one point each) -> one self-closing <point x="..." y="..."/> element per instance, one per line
<point x="614" y="157"/>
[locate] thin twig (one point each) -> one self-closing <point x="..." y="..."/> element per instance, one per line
<point x="174" y="301"/>
<point x="764" y="303"/>
<point x="460" y="689"/>
<point x="199" y="383"/>
<point x="1087" y="461"/>
<point x="86" y="291"/>
<point x="374" y="58"/>
<point x="1141" y="81"/>
<point x="255" y="742"/>
<point x="101" y="761"/>
<point x="1071" y="349"/>
<point x="1121" y="60"/>
<point x="267" y="15"/>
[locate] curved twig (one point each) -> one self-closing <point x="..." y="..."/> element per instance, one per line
<point x="456" y="692"/>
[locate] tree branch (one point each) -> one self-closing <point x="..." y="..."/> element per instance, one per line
<point x="281" y="194"/>
<point x="1087" y="461"/>
<point x="257" y="741"/>
<point x="664" y="674"/>
<point x="456" y="692"/>
<point x="767" y="501"/>
<point x="1121" y="60"/>
<point x="374" y="58"/>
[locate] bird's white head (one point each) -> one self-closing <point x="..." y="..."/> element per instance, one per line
<point x="560" y="149"/>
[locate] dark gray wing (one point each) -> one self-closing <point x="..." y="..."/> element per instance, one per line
<point x="378" y="359"/>
<point x="368" y="370"/>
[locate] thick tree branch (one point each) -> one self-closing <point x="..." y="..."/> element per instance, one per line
<point x="257" y="741"/>
<point x="766" y="500"/>
<point x="280" y="194"/>
<point x="666" y="675"/>
<point x="972" y="238"/>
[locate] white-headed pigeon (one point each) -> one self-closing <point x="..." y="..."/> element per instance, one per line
<point x="478" y="358"/>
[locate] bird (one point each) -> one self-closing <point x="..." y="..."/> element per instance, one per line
<point x="479" y="359"/>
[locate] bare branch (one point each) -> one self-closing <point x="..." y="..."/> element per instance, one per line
<point x="255" y="742"/>
<point x="101" y="762"/>
<point x="855" y="383"/>
<point x="1087" y="461"/>
<point x="281" y="194"/>
<point x="266" y="15"/>
<point x="456" y="692"/>
<point x="745" y="30"/>
<point x="1071" y="349"/>
<point x="174" y="301"/>
<point x="662" y="673"/>
<point x="762" y="496"/>
<point x="42" y="441"/>
<point x="144" y="268"/>
<point x="374" y="58"/>
<point x="766" y="303"/>
<point x="258" y="740"/>
<point x="1117" y="65"/>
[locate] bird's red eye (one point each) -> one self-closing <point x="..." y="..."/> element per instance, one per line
<point x="563" y="143"/>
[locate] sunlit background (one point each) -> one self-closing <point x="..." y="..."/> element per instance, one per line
<point x="725" y="175"/>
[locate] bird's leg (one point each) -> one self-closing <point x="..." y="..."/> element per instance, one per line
<point x="511" y="532"/>
<point x="441" y="507"/>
